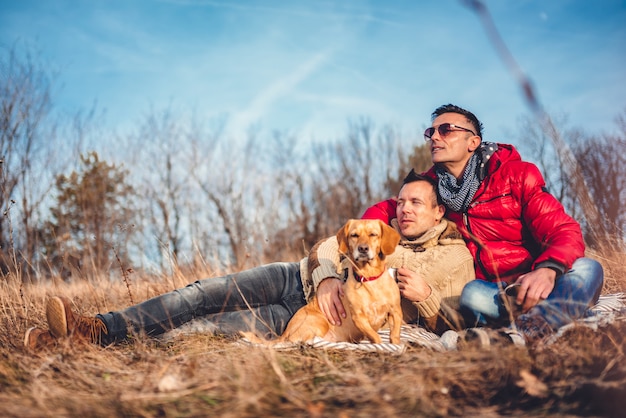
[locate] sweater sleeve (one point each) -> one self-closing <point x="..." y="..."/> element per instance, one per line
<point x="448" y="291"/>
<point x="323" y="262"/>
<point x="446" y="268"/>
<point x="431" y="305"/>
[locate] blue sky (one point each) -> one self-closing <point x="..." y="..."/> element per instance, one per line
<point x="308" y="67"/>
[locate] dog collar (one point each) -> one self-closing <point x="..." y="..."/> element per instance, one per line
<point x="363" y="279"/>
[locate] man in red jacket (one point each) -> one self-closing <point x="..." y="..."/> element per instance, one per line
<point x="517" y="232"/>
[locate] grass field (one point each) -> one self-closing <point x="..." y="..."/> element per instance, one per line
<point x="582" y="374"/>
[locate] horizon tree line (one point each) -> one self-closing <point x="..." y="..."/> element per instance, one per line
<point x="178" y="194"/>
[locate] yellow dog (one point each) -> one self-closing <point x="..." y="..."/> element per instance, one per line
<point x="372" y="297"/>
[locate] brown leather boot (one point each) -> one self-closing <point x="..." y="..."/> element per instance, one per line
<point x="65" y="323"/>
<point x="39" y="338"/>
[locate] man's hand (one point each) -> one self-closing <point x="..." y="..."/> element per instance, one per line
<point x="329" y="293"/>
<point x="412" y="286"/>
<point x="535" y="286"/>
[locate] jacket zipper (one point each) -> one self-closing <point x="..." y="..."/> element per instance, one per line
<point x="479" y="261"/>
<point x="466" y="222"/>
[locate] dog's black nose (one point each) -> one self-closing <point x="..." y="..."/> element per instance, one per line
<point x="363" y="248"/>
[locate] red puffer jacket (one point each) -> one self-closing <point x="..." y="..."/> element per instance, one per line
<point x="513" y="223"/>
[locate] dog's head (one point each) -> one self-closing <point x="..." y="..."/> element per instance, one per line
<point x="366" y="239"/>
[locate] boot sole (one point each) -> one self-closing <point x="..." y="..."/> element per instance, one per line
<point x="57" y="319"/>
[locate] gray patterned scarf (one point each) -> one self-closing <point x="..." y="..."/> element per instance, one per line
<point x="458" y="196"/>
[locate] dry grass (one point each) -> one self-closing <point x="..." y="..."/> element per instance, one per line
<point x="583" y="374"/>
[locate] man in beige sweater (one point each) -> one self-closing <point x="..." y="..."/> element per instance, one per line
<point x="432" y="264"/>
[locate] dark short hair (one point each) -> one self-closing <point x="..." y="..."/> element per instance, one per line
<point x="471" y="118"/>
<point x="413" y="177"/>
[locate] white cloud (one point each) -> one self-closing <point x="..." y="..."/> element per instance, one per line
<point x="282" y="86"/>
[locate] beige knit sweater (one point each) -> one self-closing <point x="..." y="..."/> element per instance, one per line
<point x="439" y="256"/>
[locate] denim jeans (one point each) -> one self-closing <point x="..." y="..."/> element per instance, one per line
<point x="573" y="294"/>
<point x="262" y="299"/>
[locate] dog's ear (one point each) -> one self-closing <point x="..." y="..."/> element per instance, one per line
<point x="342" y="237"/>
<point x="390" y="238"/>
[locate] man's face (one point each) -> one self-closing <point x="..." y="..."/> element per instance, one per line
<point x="417" y="211"/>
<point x="454" y="150"/>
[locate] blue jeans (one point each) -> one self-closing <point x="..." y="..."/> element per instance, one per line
<point x="262" y="299"/>
<point x="573" y="294"/>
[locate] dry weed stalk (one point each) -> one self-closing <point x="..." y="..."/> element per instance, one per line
<point x="125" y="275"/>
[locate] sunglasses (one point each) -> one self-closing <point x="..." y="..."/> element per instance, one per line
<point x="444" y="130"/>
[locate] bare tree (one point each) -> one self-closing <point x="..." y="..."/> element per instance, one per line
<point x="603" y="164"/>
<point x="601" y="161"/>
<point x="538" y="147"/>
<point x="27" y="138"/>
<point x="163" y="182"/>
<point x="230" y="178"/>
<point x="337" y="181"/>
<point x="419" y="159"/>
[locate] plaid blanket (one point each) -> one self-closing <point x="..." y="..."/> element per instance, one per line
<point x="609" y="308"/>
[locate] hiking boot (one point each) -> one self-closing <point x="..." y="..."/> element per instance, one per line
<point x="38" y="338"/>
<point x="534" y="328"/>
<point x="65" y="323"/>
